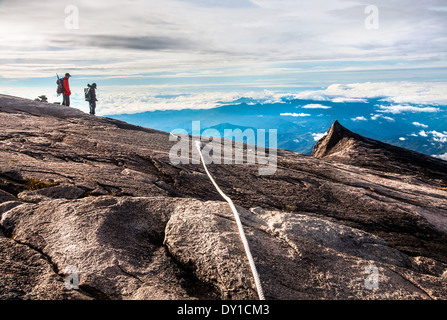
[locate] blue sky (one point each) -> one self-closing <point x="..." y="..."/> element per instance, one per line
<point x="239" y="47"/>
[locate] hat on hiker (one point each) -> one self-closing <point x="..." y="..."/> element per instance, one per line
<point x="67" y="75"/>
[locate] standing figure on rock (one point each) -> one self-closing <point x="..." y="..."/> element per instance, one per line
<point x="91" y="98"/>
<point x="66" y="90"/>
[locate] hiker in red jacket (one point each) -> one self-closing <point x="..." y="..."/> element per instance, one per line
<point x="66" y="91"/>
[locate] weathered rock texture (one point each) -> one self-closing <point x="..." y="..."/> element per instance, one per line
<point x="344" y="146"/>
<point x="101" y="197"/>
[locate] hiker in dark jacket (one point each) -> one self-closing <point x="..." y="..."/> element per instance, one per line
<point x="66" y="92"/>
<point x="92" y="98"/>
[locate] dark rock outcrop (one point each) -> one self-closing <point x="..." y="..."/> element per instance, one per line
<point x="344" y="146"/>
<point x="106" y="200"/>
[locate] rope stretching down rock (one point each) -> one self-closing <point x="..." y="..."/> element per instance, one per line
<point x="239" y="225"/>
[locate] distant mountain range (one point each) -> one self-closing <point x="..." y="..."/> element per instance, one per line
<point x="301" y="123"/>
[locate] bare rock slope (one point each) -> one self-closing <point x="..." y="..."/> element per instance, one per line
<point x="347" y="147"/>
<point x="101" y="197"/>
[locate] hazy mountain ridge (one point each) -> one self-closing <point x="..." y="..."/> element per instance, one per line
<point x="298" y="121"/>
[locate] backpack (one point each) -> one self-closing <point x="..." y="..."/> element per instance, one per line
<point x="60" y="86"/>
<point x="87" y="94"/>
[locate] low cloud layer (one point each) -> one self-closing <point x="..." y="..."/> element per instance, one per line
<point x="315" y="106"/>
<point x="137" y="99"/>
<point x="396" y="109"/>
<point x="294" y="114"/>
<point x="398" y="92"/>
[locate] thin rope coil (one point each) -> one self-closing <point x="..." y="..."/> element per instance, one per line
<point x="239" y="225"/>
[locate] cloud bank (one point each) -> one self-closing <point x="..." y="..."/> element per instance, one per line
<point x="396" y="109"/>
<point x="288" y="114"/>
<point x="137" y="99"/>
<point x="398" y="92"/>
<point x="418" y="124"/>
<point x="315" y="106"/>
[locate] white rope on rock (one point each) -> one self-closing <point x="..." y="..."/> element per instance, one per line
<point x="239" y="225"/>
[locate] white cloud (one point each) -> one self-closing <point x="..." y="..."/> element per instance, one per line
<point x="315" y="106"/>
<point x="388" y="119"/>
<point x="136" y="99"/>
<point x="441" y="156"/>
<point x="141" y="98"/>
<point x="402" y="139"/>
<point x="346" y="99"/>
<point x="131" y="99"/>
<point x="398" y="92"/>
<point x="396" y="109"/>
<point x="417" y="124"/>
<point x="319" y="136"/>
<point x="381" y="116"/>
<point x="295" y="114"/>
<point x="422" y="133"/>
<point x="359" y="118"/>
<point x="439" y="136"/>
